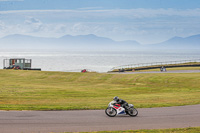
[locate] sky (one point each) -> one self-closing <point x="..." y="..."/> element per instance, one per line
<point x="145" y="21"/>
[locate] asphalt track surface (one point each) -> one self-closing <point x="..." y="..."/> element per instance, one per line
<point x="97" y="120"/>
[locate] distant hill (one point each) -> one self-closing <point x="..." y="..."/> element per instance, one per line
<point x="74" y="42"/>
<point x="91" y="41"/>
<point x="191" y="42"/>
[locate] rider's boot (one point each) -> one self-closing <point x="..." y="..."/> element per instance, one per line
<point x="126" y="109"/>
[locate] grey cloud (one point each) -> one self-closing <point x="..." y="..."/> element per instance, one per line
<point x="32" y="20"/>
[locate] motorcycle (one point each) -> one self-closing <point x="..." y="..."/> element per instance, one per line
<point x="114" y="109"/>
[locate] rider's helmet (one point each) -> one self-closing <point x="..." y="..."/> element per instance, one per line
<point x="116" y="98"/>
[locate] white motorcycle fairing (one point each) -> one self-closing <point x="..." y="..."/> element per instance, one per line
<point x="120" y="110"/>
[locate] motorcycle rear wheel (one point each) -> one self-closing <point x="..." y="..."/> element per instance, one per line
<point x="132" y="112"/>
<point x="111" y="112"/>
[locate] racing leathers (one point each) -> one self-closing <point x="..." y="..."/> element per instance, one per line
<point x="123" y="103"/>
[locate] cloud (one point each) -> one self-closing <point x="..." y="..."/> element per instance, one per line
<point x="33" y="24"/>
<point x="32" y="20"/>
<point x="2" y="26"/>
<point x="143" y="25"/>
<point x="127" y="13"/>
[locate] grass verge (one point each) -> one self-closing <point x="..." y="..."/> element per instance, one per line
<point x="40" y="90"/>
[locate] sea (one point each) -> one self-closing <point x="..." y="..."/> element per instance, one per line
<point x="95" y="60"/>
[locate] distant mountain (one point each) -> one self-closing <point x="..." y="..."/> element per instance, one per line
<point x="91" y="41"/>
<point x="191" y="42"/>
<point x="74" y="42"/>
<point x="86" y="40"/>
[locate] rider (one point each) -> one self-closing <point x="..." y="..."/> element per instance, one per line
<point x="122" y="102"/>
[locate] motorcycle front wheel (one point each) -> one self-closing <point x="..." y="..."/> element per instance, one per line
<point x="111" y="112"/>
<point x="132" y="112"/>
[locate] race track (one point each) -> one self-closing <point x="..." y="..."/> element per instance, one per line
<point x="96" y="120"/>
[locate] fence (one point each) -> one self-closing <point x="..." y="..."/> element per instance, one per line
<point x="153" y="64"/>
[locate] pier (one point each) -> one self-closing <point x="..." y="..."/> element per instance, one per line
<point x="156" y="65"/>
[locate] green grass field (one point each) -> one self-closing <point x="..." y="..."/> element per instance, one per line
<point x="40" y="90"/>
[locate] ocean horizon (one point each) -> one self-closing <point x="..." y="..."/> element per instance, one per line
<point x="98" y="60"/>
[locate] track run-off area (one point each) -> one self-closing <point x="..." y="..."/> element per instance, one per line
<point x="97" y="120"/>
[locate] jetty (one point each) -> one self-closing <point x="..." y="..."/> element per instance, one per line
<point x="156" y="65"/>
